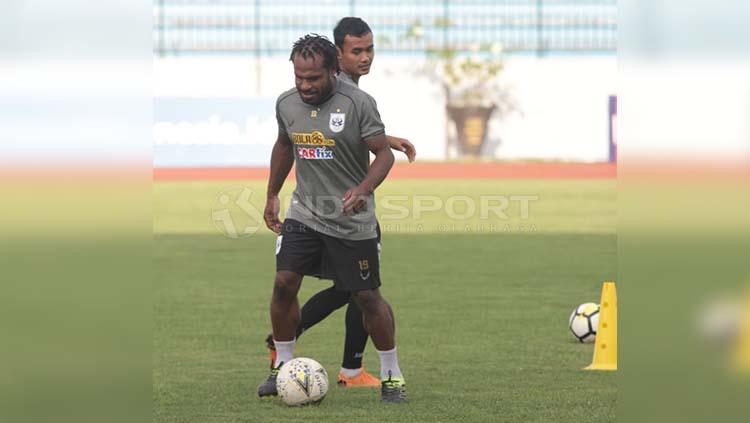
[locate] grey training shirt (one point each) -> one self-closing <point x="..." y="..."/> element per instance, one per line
<point x="342" y="76"/>
<point x="330" y="157"/>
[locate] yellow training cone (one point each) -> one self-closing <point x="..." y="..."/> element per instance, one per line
<point x="742" y="352"/>
<point x="605" y="348"/>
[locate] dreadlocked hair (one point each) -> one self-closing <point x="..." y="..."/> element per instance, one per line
<point x="314" y="44"/>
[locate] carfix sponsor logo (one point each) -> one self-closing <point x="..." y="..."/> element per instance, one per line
<point x="315" y="153"/>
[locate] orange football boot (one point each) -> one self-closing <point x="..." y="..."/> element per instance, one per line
<point x="362" y="380"/>
<point x="271" y="349"/>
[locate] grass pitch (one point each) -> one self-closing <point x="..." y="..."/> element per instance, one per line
<point x="481" y="308"/>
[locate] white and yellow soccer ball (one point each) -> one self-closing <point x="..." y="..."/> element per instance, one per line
<point x="584" y="322"/>
<point x="302" y="381"/>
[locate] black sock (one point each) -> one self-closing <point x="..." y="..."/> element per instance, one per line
<point x="356" y="337"/>
<point x="319" y="306"/>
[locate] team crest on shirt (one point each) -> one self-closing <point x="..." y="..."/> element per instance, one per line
<point x="337" y="121"/>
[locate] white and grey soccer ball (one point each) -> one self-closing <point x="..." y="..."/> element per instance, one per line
<point x="302" y="381"/>
<point x="584" y="322"/>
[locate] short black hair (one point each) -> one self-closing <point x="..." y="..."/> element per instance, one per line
<point x="355" y="27"/>
<point x="312" y="44"/>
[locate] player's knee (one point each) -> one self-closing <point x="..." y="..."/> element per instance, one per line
<point x="285" y="285"/>
<point x="368" y="300"/>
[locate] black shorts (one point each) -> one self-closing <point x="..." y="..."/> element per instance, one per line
<point x="353" y="265"/>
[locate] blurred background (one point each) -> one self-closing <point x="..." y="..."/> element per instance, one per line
<point x="545" y="76"/>
<point x="91" y="93"/>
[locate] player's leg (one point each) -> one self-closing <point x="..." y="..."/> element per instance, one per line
<point x="352" y="373"/>
<point x="380" y="324"/>
<point x="298" y="250"/>
<point x="357" y="268"/>
<point x="377" y="317"/>
<point x="285" y="313"/>
<point x="317" y="308"/>
<point x="320" y="306"/>
<point x="284" y="320"/>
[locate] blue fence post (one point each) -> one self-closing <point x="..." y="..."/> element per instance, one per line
<point x="539" y="28"/>
<point x="613" y="129"/>
<point x="199" y="27"/>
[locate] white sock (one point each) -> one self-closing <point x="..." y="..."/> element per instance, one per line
<point x="350" y="372"/>
<point x="284" y="351"/>
<point x="389" y="364"/>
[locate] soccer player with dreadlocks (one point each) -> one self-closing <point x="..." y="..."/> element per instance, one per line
<point x="327" y="128"/>
<point x="356" y="50"/>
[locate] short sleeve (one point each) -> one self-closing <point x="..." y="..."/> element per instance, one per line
<point x="280" y="122"/>
<point x="370" y="124"/>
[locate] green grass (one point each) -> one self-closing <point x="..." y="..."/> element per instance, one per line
<point x="481" y="316"/>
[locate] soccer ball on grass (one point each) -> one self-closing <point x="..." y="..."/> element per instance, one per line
<point x="302" y="381"/>
<point x="584" y="322"/>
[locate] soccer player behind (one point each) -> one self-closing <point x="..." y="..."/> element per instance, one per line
<point x="355" y="47"/>
<point x="328" y="128"/>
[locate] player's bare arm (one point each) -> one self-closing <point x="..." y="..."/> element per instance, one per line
<point x="282" y="160"/>
<point x="356" y="198"/>
<point x="403" y="145"/>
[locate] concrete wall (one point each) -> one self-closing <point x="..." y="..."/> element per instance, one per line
<point x="562" y="112"/>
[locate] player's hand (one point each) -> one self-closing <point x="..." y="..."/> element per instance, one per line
<point x="271" y="214"/>
<point x="355" y="200"/>
<point x="403" y="145"/>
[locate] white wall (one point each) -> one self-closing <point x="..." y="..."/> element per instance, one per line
<point x="563" y="105"/>
<point x="563" y="100"/>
